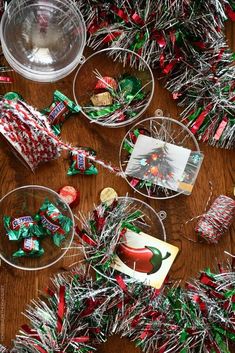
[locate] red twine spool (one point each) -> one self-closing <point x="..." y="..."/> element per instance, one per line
<point x="30" y="136"/>
<point x="28" y="133"/>
<point x="213" y="224"/>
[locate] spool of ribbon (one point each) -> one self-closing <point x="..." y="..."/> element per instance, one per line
<point x="217" y="220"/>
<point x="31" y="138"/>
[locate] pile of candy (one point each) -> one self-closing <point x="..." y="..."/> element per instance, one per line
<point x="116" y="100"/>
<point x="31" y="230"/>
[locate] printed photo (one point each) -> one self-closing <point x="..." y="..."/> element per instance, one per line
<point x="164" y="164"/>
<point x="145" y="258"/>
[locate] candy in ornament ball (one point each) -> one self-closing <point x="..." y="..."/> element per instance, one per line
<point x="106" y="83"/>
<point x="102" y="99"/>
<point x="130" y="85"/>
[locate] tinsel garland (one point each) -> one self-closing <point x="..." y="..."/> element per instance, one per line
<point x="185" y="40"/>
<point x="80" y="311"/>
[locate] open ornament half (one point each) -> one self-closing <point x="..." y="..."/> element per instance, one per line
<point x="160" y="158"/>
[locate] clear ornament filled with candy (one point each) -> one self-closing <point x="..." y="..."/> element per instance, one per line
<point x="37" y="227"/>
<point x="114" y="87"/>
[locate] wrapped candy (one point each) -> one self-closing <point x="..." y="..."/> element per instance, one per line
<point x="108" y="195"/>
<point x="130" y="85"/>
<point x="70" y="195"/>
<point x="21" y="227"/>
<point x="30" y="248"/>
<point x="102" y="99"/>
<point x="106" y="82"/>
<point x="54" y="223"/>
<point x="60" y="109"/>
<point x="80" y="164"/>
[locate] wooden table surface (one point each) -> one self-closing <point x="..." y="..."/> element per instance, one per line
<point x="18" y="287"/>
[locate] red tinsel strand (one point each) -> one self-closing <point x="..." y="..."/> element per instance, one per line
<point x="61" y="308"/>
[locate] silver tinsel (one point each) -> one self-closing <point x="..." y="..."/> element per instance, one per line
<point x="197" y="319"/>
<point x="83" y="309"/>
<point x="185" y="34"/>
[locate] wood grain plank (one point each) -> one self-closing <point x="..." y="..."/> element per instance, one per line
<point x="19" y="287"/>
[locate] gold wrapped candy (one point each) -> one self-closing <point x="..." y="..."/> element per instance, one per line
<point x="102" y="99"/>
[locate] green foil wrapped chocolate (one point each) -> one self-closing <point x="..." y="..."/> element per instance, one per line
<point x="53" y="222"/>
<point x="30" y="248"/>
<point x="129" y="85"/>
<point x="80" y="164"/>
<point x="59" y="111"/>
<point x="21" y="227"/>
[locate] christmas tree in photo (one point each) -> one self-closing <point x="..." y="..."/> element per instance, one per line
<point x="155" y="166"/>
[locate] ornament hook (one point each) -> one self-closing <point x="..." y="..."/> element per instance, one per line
<point x="162" y="215"/>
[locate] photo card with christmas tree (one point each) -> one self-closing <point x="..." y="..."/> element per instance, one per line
<point x="144" y="257"/>
<point x="164" y="164"/>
